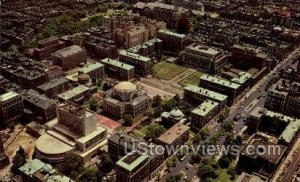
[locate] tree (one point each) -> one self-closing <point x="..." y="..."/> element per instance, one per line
<point x="93" y="104"/>
<point x="106" y="163"/>
<point x="227" y="126"/>
<point x="154" y="130"/>
<point x="128" y="119"/>
<point x="207" y="171"/>
<point x="156" y="101"/>
<point x="90" y="175"/>
<point x="224" y="161"/>
<point x="157" y="111"/>
<point x="18" y="160"/>
<point x="72" y="165"/>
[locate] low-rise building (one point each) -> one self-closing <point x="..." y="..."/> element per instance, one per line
<point x="94" y="70"/>
<point x="38" y="171"/>
<point x="142" y="64"/>
<point x="172" y="117"/>
<point x="39" y="107"/>
<point x="176" y="136"/>
<point x="69" y="57"/>
<point x="11" y="108"/>
<point x="77" y="94"/>
<point x="202" y="114"/>
<point x="118" y="69"/>
<point x="207" y="58"/>
<point x="54" y="87"/>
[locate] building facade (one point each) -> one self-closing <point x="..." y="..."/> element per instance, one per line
<point x="118" y="69"/>
<point x="11" y="108"/>
<point x="125" y="98"/>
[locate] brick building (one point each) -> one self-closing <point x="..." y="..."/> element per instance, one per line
<point x="118" y="69"/>
<point x="69" y="57"/>
<point x="141" y="64"/>
<point x="54" y="87"/>
<point x="11" y="108"/>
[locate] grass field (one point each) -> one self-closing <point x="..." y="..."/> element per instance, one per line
<point x="167" y="71"/>
<point x="193" y="79"/>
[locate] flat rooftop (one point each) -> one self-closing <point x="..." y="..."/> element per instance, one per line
<point x="204" y="49"/>
<point x="38" y="99"/>
<point x="220" y="81"/>
<point x="207" y="93"/>
<point x="65" y="52"/>
<point x="172" y="33"/>
<point x="53" y="83"/>
<point x="173" y="133"/>
<point x="291" y="129"/>
<point x="131" y="161"/>
<point x="242" y="77"/>
<point x="134" y="56"/>
<point x="87" y="68"/>
<point x="8" y="95"/>
<point x="73" y="92"/>
<point x="204" y="108"/>
<point x="117" y="64"/>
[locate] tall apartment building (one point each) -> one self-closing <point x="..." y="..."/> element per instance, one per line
<point x="142" y="64"/>
<point x="283" y="97"/>
<point x="118" y="69"/>
<point x="207" y="58"/>
<point x="11" y="108"/>
<point x="173" y="42"/>
<point x="69" y="57"/>
<point x="135" y="35"/>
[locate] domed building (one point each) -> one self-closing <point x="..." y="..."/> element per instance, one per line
<point x="125" y="98"/>
<point x="173" y="116"/>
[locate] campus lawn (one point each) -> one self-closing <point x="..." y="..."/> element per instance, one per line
<point x="193" y="79"/>
<point x="167" y="71"/>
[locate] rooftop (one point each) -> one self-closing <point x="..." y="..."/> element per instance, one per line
<point x="90" y="67"/>
<point x="73" y="92"/>
<point x="173" y="133"/>
<point x="204" y="49"/>
<point x="8" y="95"/>
<point x="204" y="108"/>
<point x="68" y="51"/>
<point x="131" y="161"/>
<point x="172" y="33"/>
<point x="242" y="77"/>
<point x="220" y="81"/>
<point x="117" y="63"/>
<point x="53" y="83"/>
<point x="205" y="92"/>
<point x="38" y="99"/>
<point x="291" y="129"/>
<point x="133" y="55"/>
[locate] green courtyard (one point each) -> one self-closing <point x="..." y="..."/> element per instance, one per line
<point x="167" y="71"/>
<point x="193" y="79"/>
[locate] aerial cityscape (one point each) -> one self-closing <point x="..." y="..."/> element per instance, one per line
<point x="150" y="91"/>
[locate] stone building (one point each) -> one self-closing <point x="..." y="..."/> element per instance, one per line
<point x="142" y="64"/>
<point x="69" y="57"/>
<point x="77" y="130"/>
<point x="117" y="69"/>
<point x="207" y="58"/>
<point x="125" y="98"/>
<point x="11" y="108"/>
